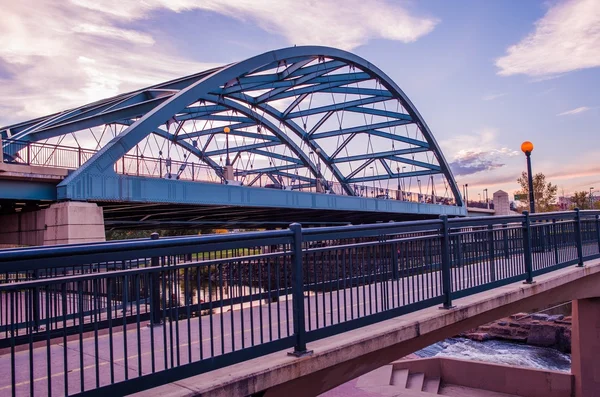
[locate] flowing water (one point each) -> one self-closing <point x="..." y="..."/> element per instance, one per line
<point x="499" y="352"/>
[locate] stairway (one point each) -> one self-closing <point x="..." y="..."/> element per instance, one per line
<point x="389" y="382"/>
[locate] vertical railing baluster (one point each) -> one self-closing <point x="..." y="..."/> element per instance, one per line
<point x="154" y="262"/>
<point x="598" y="231"/>
<point x="491" y="253"/>
<point x="446" y="271"/>
<point x="578" y="240"/>
<point x="527" y="257"/>
<point x="298" y="293"/>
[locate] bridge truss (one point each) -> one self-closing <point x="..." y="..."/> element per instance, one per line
<point x="299" y="117"/>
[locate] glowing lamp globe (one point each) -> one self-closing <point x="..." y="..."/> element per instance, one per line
<point x="527" y="147"/>
<point x="226" y="130"/>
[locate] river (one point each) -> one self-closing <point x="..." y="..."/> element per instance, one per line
<point x="499" y="352"/>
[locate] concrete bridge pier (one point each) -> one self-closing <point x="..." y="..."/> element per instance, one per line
<point x="585" y="347"/>
<point x="67" y="222"/>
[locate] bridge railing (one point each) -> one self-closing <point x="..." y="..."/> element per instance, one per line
<point x="136" y="163"/>
<point x="125" y="311"/>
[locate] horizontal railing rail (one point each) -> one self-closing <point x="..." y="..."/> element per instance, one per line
<point x="119" y="317"/>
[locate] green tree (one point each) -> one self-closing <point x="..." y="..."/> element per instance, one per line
<point x="544" y="193"/>
<point x="581" y="200"/>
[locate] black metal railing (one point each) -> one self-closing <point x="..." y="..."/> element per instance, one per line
<point x="119" y="317"/>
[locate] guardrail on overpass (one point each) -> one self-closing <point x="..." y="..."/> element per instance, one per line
<point x="73" y="319"/>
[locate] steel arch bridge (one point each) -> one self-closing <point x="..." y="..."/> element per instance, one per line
<point x="323" y="128"/>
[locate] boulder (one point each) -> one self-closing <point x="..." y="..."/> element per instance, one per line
<point x="540" y="316"/>
<point x="519" y="316"/>
<point x="479" y="336"/>
<point x="502" y="323"/>
<point x="564" y="340"/>
<point x="543" y="335"/>
<point x="514" y="325"/>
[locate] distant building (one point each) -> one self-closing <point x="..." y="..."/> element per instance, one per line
<point x="564" y="203"/>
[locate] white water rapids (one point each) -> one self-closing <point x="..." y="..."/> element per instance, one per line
<point x="499" y="352"/>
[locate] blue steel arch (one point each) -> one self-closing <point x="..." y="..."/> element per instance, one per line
<point x="306" y="70"/>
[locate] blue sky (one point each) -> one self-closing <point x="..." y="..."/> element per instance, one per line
<point x="485" y="75"/>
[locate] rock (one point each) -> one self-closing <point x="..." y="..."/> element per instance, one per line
<point x="494" y="331"/>
<point x="540" y="316"/>
<point x="514" y="325"/>
<point x="502" y="323"/>
<point x="535" y="322"/>
<point x="557" y="317"/>
<point x="564" y="340"/>
<point x="484" y="328"/>
<point x="543" y="335"/>
<point x="479" y="336"/>
<point x="519" y="316"/>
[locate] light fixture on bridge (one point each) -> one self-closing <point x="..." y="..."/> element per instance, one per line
<point x="229" y="178"/>
<point x="527" y="148"/>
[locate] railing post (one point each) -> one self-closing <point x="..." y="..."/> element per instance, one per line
<point x="36" y="299"/>
<point x="28" y="153"/>
<point x="298" y="293"/>
<point x="395" y="270"/>
<point x="598" y="231"/>
<point x="79" y="157"/>
<point x="555" y="240"/>
<point x="154" y="262"/>
<point x="492" y="249"/>
<point x="446" y="268"/>
<point x="578" y="240"/>
<point x="505" y="237"/>
<point x="527" y="258"/>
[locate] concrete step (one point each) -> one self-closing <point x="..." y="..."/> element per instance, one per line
<point x="462" y="391"/>
<point x="415" y="381"/>
<point x="399" y="377"/>
<point x="379" y="377"/>
<point x="432" y="385"/>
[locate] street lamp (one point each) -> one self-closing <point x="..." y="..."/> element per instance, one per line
<point x="487" y="198"/>
<point x="467" y="193"/>
<point x="527" y="148"/>
<point x="226" y="130"/>
<point x="373" y="173"/>
<point x="591" y="198"/>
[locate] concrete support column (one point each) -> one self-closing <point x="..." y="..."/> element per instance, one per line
<point x="585" y="347"/>
<point x="62" y="223"/>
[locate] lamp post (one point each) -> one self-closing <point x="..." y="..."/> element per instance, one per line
<point x="527" y="148"/>
<point x="591" y="198"/>
<point x="399" y="195"/>
<point x="373" y="173"/>
<point x="487" y="198"/>
<point x="467" y="193"/>
<point x="226" y="130"/>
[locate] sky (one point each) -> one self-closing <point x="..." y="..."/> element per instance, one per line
<point x="485" y="75"/>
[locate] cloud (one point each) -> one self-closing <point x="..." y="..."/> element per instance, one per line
<point x="476" y="153"/>
<point x="491" y="97"/>
<point x="574" y="111"/>
<point x="340" y="23"/>
<point x="567" y="38"/>
<point x="57" y="55"/>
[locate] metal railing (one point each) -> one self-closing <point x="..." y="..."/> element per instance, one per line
<point x="138" y="164"/>
<point x="124" y="316"/>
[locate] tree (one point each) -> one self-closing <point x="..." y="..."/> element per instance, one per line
<point x="544" y="193"/>
<point x="581" y="200"/>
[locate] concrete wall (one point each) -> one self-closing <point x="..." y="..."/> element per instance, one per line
<point x="61" y="223"/>
<point x="525" y="382"/>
